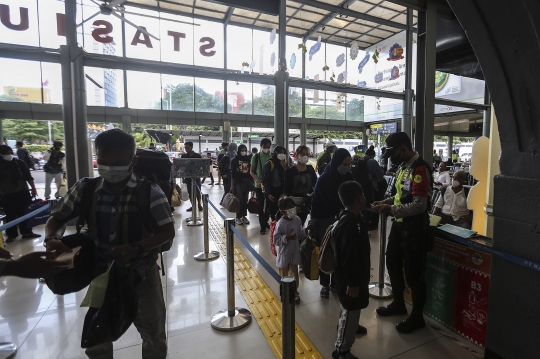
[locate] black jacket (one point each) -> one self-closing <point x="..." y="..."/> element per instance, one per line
<point x="352" y="251"/>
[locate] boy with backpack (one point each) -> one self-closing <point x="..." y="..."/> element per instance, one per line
<point x="350" y="241"/>
<point x="123" y="229"/>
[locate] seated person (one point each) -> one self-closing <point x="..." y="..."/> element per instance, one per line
<point x="442" y="178"/>
<point x="452" y="206"/>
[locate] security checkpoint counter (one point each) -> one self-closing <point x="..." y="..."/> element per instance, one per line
<point x="457" y="279"/>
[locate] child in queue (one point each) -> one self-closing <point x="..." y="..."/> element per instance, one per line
<point x="287" y="235"/>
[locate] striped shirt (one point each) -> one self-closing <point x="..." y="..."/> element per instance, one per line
<point x="109" y="209"/>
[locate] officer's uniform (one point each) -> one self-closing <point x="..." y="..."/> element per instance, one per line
<point x="410" y="238"/>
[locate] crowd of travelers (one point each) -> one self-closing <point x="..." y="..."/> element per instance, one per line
<point x="340" y="201"/>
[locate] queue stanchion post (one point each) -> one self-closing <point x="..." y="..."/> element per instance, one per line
<point x="232" y="318"/>
<point x="207" y="254"/>
<point x="195" y="219"/>
<point x="288" y="291"/>
<point x="7" y="350"/>
<point x="381" y="289"/>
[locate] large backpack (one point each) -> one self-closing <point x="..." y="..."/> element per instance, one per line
<point x="157" y="168"/>
<point x="327" y="257"/>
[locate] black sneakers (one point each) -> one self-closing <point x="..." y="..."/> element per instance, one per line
<point x="392" y="309"/>
<point x="410" y="324"/>
<point x="344" y="355"/>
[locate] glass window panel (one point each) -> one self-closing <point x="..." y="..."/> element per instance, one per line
<point x="111" y="92"/>
<point x="48" y="30"/>
<point x="361" y="71"/>
<point x="177" y="40"/>
<point x="316" y="61"/>
<point x="355" y="107"/>
<point x="52" y="83"/>
<point x="208" y="44"/>
<point x="144" y="90"/>
<point x="336" y="60"/>
<point x="314" y="103"/>
<point x="23" y="29"/>
<point x="139" y="45"/>
<point x="177" y="93"/>
<point x="103" y="33"/>
<point x="263" y="99"/>
<point x="239" y="47"/>
<point x="20" y="81"/>
<point x="239" y="97"/>
<point x="208" y="95"/>
<point x="335" y="106"/>
<point x="292" y="48"/>
<point x="295" y="102"/>
<point x="265" y="54"/>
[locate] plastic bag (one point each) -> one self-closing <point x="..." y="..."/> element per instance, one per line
<point x="175" y="199"/>
<point x="119" y="309"/>
<point x="63" y="188"/>
<point x="309" y="253"/>
<point x="96" y="292"/>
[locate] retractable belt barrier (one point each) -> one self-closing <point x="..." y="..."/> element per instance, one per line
<point x="24" y="218"/>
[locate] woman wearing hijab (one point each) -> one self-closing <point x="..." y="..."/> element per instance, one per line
<point x="224" y="166"/>
<point x="274" y="179"/>
<point x="242" y="182"/>
<point x="299" y="182"/>
<point x="326" y="204"/>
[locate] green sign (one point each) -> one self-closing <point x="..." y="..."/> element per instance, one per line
<point x="239" y="142"/>
<point x="253" y="136"/>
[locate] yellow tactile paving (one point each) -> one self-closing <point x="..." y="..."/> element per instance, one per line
<point x="264" y="305"/>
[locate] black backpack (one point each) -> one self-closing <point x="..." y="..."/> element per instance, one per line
<point x="360" y="172"/>
<point x="157" y="168"/>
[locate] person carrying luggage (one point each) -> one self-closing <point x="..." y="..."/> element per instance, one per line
<point x="123" y="229"/>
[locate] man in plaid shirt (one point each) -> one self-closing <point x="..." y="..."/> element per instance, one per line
<point x="122" y="231"/>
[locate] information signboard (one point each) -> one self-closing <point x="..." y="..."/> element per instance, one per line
<point x="383" y="128"/>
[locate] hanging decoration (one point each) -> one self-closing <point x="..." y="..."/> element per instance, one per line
<point x="395" y="53"/>
<point x="394" y="73"/>
<point x="333" y="77"/>
<point x="379" y="104"/>
<point x="375" y="56"/>
<point x="293" y="61"/>
<point x="272" y="59"/>
<point x="353" y="52"/>
<point x="244" y="65"/>
<point x="303" y="47"/>
<point x="272" y="36"/>
<point x="363" y="63"/>
<point x="252" y="66"/>
<point x="379" y="77"/>
<point x="361" y="84"/>
<point x="339" y="100"/>
<point x="325" y="68"/>
<point x="340" y="60"/>
<point x="342" y="77"/>
<point x="315" y="48"/>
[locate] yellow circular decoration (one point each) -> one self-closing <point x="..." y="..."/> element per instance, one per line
<point x="418" y="179"/>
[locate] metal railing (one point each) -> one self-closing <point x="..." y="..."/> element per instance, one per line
<point x="381" y="289"/>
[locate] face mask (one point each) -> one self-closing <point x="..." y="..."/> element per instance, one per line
<point x="281" y="156"/>
<point x="243" y="153"/>
<point x="114" y="174"/>
<point x="396" y="160"/>
<point x="8" y="157"/>
<point x="291" y="212"/>
<point x="343" y="169"/>
<point x="266" y="150"/>
<point x="303" y="159"/>
<point x="455" y="183"/>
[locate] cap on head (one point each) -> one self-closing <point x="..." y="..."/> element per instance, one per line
<point x="396" y="140"/>
<point x="329" y="144"/>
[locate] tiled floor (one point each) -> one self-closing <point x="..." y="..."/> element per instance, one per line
<point x="45" y="326"/>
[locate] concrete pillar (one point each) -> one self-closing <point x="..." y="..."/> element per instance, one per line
<point x="425" y="84"/>
<point x="365" y="138"/>
<point x="450" y="144"/>
<point x="226" y="133"/>
<point x="303" y="133"/>
<point x="74" y="109"/>
<point x="1" y="131"/>
<point x="408" y="102"/>
<point x="281" y="113"/>
<point x="126" y="123"/>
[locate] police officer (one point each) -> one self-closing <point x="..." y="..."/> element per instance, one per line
<point x="409" y="238"/>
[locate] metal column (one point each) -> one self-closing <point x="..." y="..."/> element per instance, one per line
<point x="207" y="254"/>
<point x="425" y="84"/>
<point x="450" y="144"/>
<point x="1" y="131"/>
<point x="74" y="109"/>
<point x="226" y="133"/>
<point x="288" y="291"/>
<point x="126" y="123"/>
<point x="408" y="102"/>
<point x="380" y="289"/>
<point x="281" y="113"/>
<point x="486" y="128"/>
<point x="303" y="133"/>
<point x="365" y="137"/>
